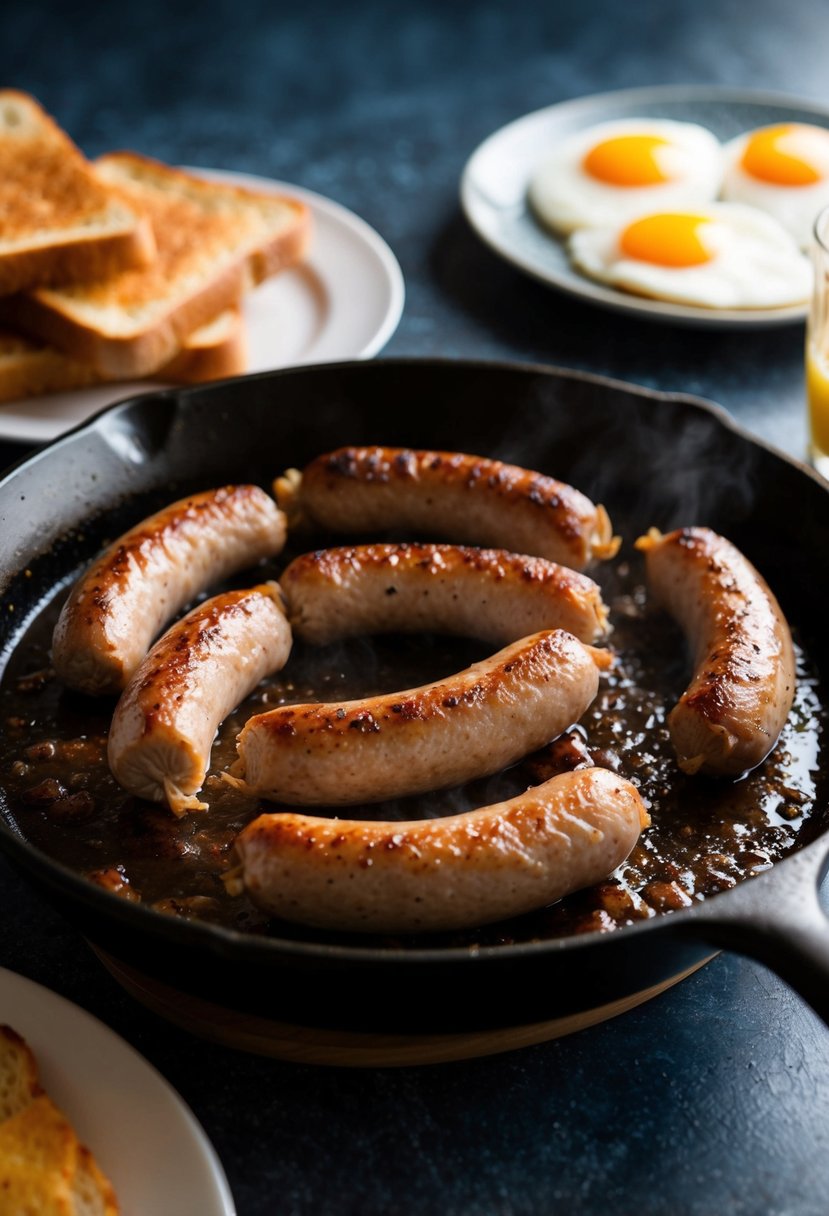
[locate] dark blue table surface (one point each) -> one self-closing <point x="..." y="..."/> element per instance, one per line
<point x="714" y="1098"/>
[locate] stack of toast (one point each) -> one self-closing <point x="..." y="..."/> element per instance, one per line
<point x="124" y="268"/>
<point x="44" y="1169"/>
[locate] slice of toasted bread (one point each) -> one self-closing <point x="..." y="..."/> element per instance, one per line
<point x="18" y="1074"/>
<point x="44" y="1169"/>
<point x="59" y="221"/>
<point x="30" y="367"/>
<point x="214" y="242"/>
<point x="38" y="1161"/>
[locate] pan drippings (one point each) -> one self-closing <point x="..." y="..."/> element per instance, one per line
<point x="706" y="836"/>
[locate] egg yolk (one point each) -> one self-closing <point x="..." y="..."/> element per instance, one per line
<point x="785" y="155"/>
<point x="627" y="160"/>
<point x="668" y="240"/>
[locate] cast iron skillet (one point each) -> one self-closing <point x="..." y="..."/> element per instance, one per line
<point x="651" y="458"/>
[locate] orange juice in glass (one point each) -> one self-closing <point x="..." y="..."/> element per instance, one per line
<point x="817" y="349"/>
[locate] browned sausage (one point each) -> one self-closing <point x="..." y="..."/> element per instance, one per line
<point x="466" y="726"/>
<point x="142" y="580"/>
<point x="731" y="714"/>
<point x="448" y="494"/>
<point x="204" y="665"/>
<point x="452" y="873"/>
<point x="483" y="593"/>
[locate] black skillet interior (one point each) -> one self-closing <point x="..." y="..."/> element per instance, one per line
<point x="651" y="458"/>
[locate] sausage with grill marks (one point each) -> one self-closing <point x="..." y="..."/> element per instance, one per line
<point x="469" y="725"/>
<point x="142" y="580"/>
<point x="201" y="669"/>
<point x="462" y="498"/>
<point x="731" y="714"/>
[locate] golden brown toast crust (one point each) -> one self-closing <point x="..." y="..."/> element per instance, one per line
<point x="43" y="1166"/>
<point x="198" y="362"/>
<point x="214" y="242"/>
<point x="135" y="356"/>
<point x="58" y="221"/>
<point x="30" y="367"/>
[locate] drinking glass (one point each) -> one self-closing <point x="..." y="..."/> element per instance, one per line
<point x="817" y="349"/>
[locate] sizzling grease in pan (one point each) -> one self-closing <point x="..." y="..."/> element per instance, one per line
<point x="706" y="835"/>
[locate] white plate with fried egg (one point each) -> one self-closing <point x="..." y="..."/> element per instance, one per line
<point x="540" y="159"/>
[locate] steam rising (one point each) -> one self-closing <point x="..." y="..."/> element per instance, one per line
<point x="650" y="462"/>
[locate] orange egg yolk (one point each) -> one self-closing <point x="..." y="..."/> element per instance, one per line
<point x="783" y="155"/>
<point x="627" y="160"/>
<point x="668" y="240"/>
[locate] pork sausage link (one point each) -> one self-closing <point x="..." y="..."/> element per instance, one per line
<point x="483" y="593"/>
<point x="204" y="665"/>
<point x="448" y="494"/>
<point x="469" y="725"/>
<point x="453" y="873"/>
<point x="731" y="714"/>
<point x="142" y="580"/>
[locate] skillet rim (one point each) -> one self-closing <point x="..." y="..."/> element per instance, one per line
<point x="248" y="947"/>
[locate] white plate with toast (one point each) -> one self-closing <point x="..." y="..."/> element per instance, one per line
<point x="343" y="301"/>
<point x="144" y="1138"/>
<point x="496" y="178"/>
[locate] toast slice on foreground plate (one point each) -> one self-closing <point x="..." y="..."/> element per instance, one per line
<point x="44" y="1169"/>
<point x="59" y="220"/>
<point x="29" y="367"/>
<point x="214" y="242"/>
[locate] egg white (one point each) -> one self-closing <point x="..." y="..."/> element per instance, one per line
<point x="755" y="264"/>
<point x="565" y="197"/>
<point x="795" y="207"/>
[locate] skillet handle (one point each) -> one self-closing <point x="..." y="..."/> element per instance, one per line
<point x="777" y="919"/>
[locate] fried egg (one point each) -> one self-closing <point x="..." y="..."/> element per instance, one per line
<point x="608" y="173"/>
<point x="723" y="256"/>
<point x="784" y="170"/>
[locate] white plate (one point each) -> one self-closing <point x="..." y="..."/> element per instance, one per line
<point x="343" y="302"/>
<point x="144" y="1138"/>
<point x="496" y="177"/>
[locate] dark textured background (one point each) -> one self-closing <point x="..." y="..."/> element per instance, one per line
<point x="715" y="1097"/>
